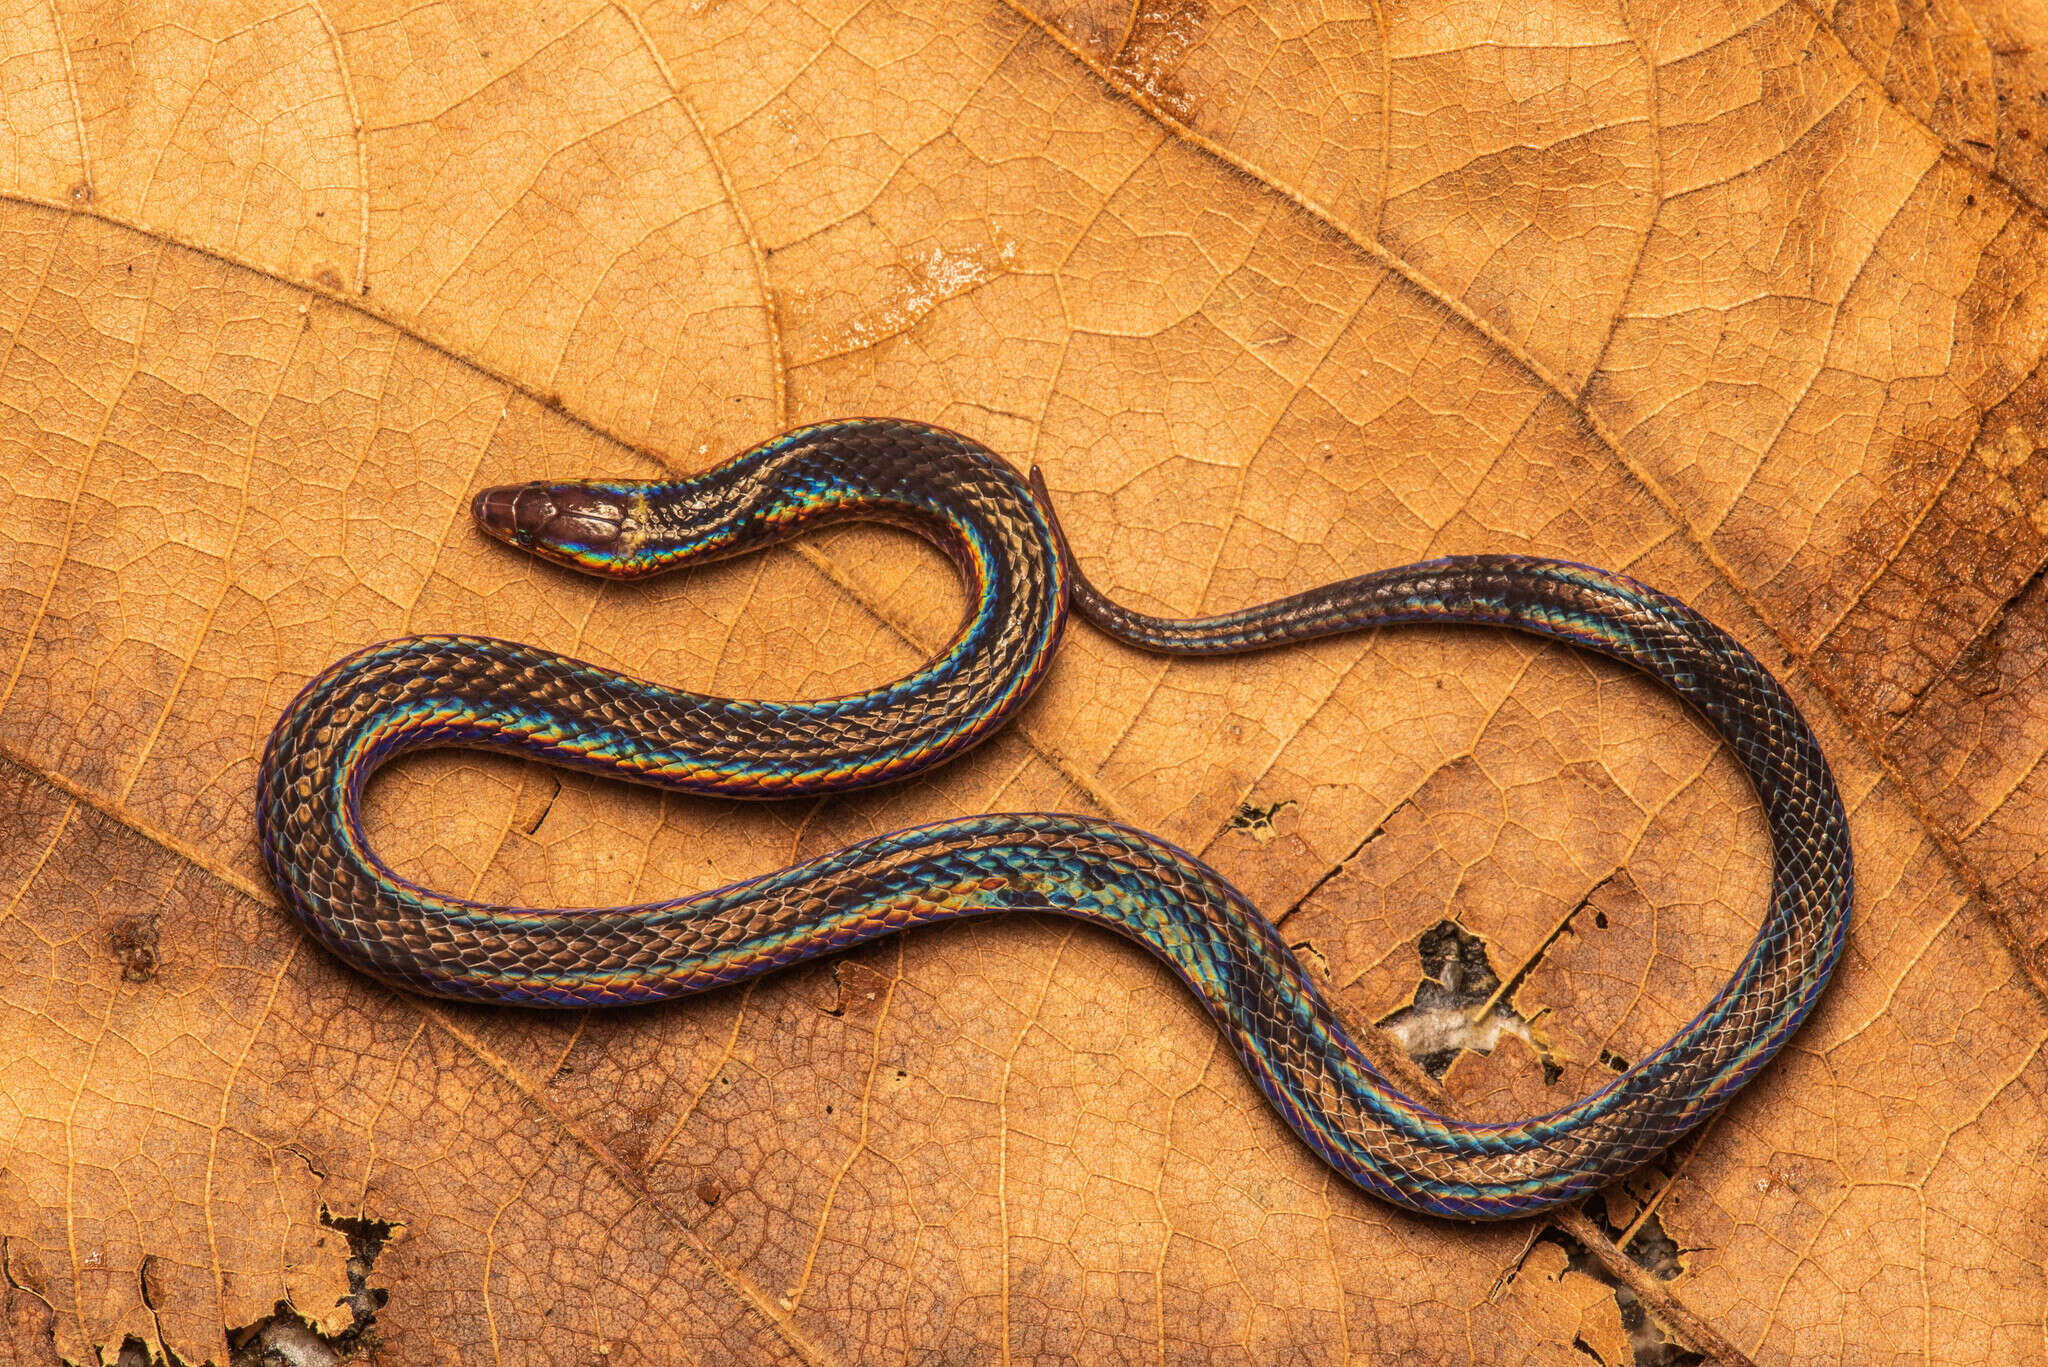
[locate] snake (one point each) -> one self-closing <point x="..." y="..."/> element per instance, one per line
<point x="1022" y="580"/>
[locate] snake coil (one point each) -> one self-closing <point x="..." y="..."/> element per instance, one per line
<point x="439" y="691"/>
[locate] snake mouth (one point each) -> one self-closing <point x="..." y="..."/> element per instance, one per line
<point x="573" y="524"/>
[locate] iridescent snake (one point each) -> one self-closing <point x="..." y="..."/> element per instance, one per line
<point x="439" y="691"/>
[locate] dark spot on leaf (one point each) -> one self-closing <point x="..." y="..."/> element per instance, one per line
<point x="546" y="805"/>
<point x="134" y="943"/>
<point x="1256" y="821"/>
<point x="152" y="1293"/>
<point x="1314" y="959"/>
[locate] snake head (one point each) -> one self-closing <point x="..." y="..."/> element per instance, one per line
<point x="589" y="526"/>
<point x="621" y="529"/>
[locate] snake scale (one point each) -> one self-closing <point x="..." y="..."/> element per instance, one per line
<point x="439" y="691"/>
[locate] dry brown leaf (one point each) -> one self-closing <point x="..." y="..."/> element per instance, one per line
<point x="1746" y="300"/>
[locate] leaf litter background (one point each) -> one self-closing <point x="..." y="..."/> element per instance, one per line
<point x="1744" y="299"/>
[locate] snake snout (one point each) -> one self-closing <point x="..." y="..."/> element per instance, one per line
<point x="497" y="511"/>
<point x="555" y="520"/>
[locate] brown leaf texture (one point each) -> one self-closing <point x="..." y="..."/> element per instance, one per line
<point x="1745" y="300"/>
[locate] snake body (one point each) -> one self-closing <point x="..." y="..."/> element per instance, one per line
<point x="437" y="691"/>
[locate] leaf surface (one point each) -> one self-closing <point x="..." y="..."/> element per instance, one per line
<point x="1742" y="300"/>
